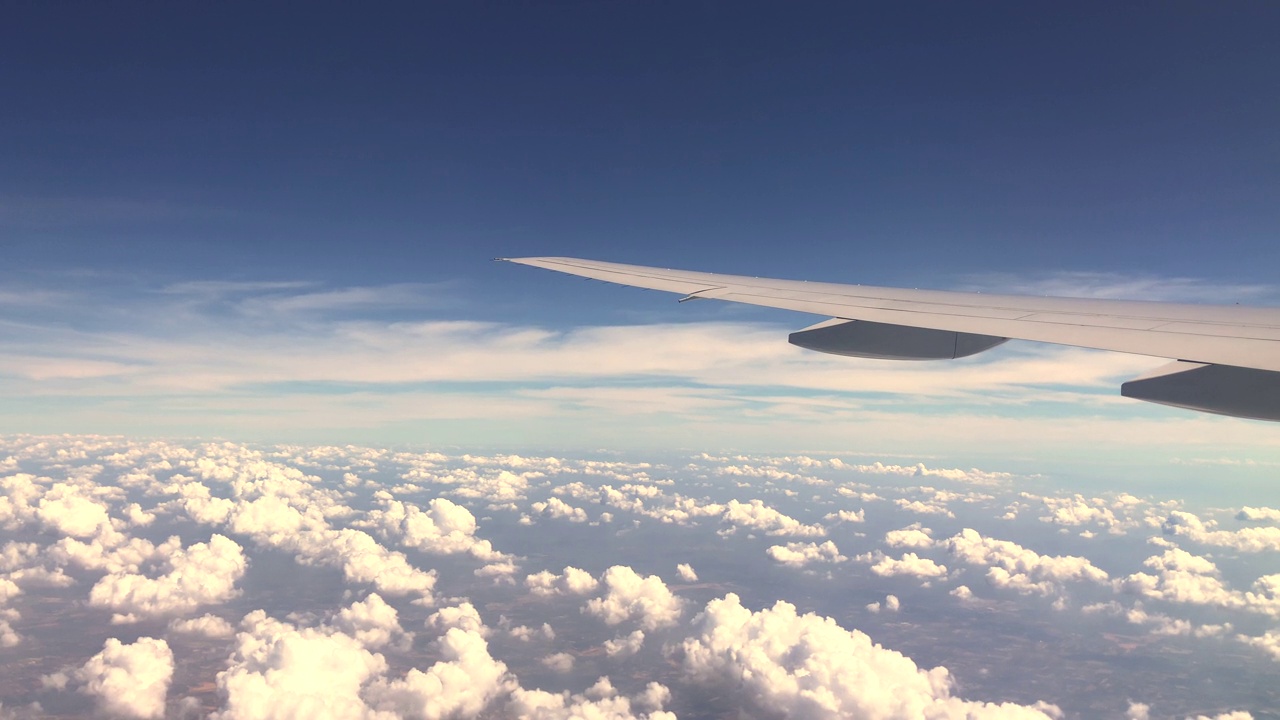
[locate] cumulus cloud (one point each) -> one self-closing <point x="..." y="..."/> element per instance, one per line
<point x="755" y="515"/>
<point x="625" y="645"/>
<point x="1016" y="567"/>
<point x="129" y="681"/>
<point x="910" y="565"/>
<point x="630" y="596"/>
<point x="912" y="536"/>
<point x="890" y="604"/>
<point x="600" y="702"/>
<point x="1179" y="576"/>
<point x="686" y="572"/>
<point x="203" y="574"/>
<point x="280" y="671"/>
<point x="374" y="623"/>
<point x="1268" y="641"/>
<point x="561" y="662"/>
<point x="210" y="626"/>
<point x="444" y="527"/>
<point x="1249" y="539"/>
<point x="847" y="516"/>
<point x="1078" y="510"/>
<point x="65" y="509"/>
<point x="573" y="581"/>
<point x="1258" y="514"/>
<point x="806" y="666"/>
<point x="461" y="684"/>
<point x="798" y="554"/>
<point x="281" y="507"/>
<point x="560" y="510"/>
<point x="463" y="616"/>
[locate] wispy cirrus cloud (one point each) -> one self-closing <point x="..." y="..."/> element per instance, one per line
<point x="256" y="357"/>
<point x="1119" y="286"/>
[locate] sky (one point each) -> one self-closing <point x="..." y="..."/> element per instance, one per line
<point x="278" y="438"/>
<point x="267" y="222"/>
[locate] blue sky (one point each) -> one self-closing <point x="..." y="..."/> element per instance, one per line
<point x="274" y="221"/>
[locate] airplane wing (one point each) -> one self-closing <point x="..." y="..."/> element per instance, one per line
<point x="1226" y="358"/>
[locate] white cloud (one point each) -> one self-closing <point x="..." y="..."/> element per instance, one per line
<point x="210" y="626"/>
<point x="847" y="516"/>
<point x="755" y="515"/>
<point x="445" y="527"/>
<point x="561" y="662"/>
<point x="1259" y="514"/>
<point x="912" y="536"/>
<point x="205" y="573"/>
<point x="1014" y="566"/>
<point x="463" y="616"/>
<point x="600" y="702"/>
<point x="1186" y="578"/>
<point x="910" y="564"/>
<point x="798" y="554"/>
<point x="1268" y="641"/>
<point x="1249" y="539"/>
<point x="808" y="667"/>
<point x="686" y="572"/>
<point x="630" y="596"/>
<point x="278" y="671"/>
<point x="69" y="511"/>
<point x="461" y="684"/>
<point x="574" y="581"/>
<point x="559" y="509"/>
<point x="374" y="623"/>
<point x="625" y="645"/>
<point x="131" y="680"/>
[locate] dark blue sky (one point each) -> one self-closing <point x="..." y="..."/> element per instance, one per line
<point x="871" y="142"/>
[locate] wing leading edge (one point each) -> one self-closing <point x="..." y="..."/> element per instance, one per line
<point x="1226" y="358"/>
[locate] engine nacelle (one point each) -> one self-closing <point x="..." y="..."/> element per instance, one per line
<point x="860" y="338"/>
<point x="1221" y="389"/>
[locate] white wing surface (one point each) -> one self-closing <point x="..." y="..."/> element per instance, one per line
<point x="1227" y="357"/>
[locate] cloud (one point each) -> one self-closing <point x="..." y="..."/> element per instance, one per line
<point x="1249" y="539"/>
<point x="891" y="604"/>
<point x="463" y="616"/>
<point x="561" y="662"/>
<point x="374" y="623"/>
<point x="280" y="671"/>
<point x="912" y="536"/>
<point x="203" y="574"/>
<point x="210" y="626"/>
<point x="910" y="565"/>
<point x="1014" y="566"/>
<point x="445" y="527"/>
<point x="1259" y="514"/>
<point x="280" y="507"/>
<point x="1268" y="641"/>
<point x="630" y="596"/>
<point x="65" y="509"/>
<point x="559" y="509"/>
<point x="461" y="684"/>
<point x="800" y="554"/>
<point x="573" y="581"/>
<point x="625" y="645"/>
<point x="129" y="681"/>
<point x="686" y="572"/>
<point x="1182" y="577"/>
<point x="601" y="701"/>
<point x="808" y="667"/>
<point x="755" y="515"/>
